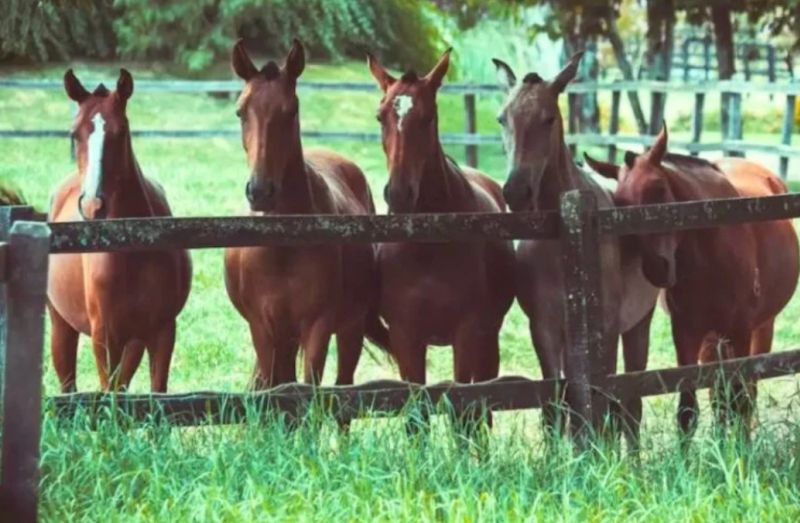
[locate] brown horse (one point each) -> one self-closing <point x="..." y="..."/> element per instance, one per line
<point x="541" y="169"/>
<point x="722" y="284"/>
<point x="124" y="301"/>
<point x="438" y="293"/>
<point x="297" y="296"/>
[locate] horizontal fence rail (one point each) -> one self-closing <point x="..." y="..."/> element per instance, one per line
<point x="387" y="397"/>
<point x="195" y="233"/>
<point x="198" y="233"/>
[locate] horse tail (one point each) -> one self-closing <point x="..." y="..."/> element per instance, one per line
<point x="376" y="331"/>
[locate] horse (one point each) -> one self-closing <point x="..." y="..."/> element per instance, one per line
<point x="437" y="293"/>
<point x="298" y="296"/>
<point x="541" y="170"/>
<point x="125" y="301"/>
<point x="724" y="285"/>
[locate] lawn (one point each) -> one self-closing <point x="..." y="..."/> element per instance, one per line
<point x="257" y="472"/>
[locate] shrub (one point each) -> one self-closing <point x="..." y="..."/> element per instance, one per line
<point x="42" y="31"/>
<point x="197" y="33"/>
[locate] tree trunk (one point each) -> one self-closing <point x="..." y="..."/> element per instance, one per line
<point x="584" y="112"/>
<point x="627" y="70"/>
<point x="660" y="43"/>
<point x="726" y="59"/>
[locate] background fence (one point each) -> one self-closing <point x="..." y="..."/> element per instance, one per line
<point x="25" y="247"/>
<point x="731" y="141"/>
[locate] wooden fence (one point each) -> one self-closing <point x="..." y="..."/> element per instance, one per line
<point x="25" y="247"/>
<point x="731" y="140"/>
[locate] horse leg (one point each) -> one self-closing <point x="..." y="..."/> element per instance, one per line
<point x="349" y="344"/>
<point x="687" y="346"/>
<point x="131" y="358"/>
<point x="731" y="398"/>
<point x="635" y="345"/>
<point x="64" y="350"/>
<point x="160" y="352"/>
<point x="547" y="342"/>
<point x="107" y="357"/>
<point x="761" y="343"/>
<point x="264" y="374"/>
<point x="409" y="352"/>
<point x="315" y="341"/>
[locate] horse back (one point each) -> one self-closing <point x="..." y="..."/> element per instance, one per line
<point x="345" y="180"/>
<point x="489" y="192"/>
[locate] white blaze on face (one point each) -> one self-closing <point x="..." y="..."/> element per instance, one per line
<point x="94" y="168"/>
<point x="402" y="105"/>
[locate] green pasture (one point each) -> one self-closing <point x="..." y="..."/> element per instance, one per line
<point x="258" y="473"/>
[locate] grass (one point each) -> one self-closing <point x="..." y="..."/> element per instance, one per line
<point x="256" y="472"/>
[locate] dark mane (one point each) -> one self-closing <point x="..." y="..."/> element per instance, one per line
<point x="409" y="77"/>
<point x="689" y="162"/>
<point x="101" y="90"/>
<point x="270" y="71"/>
<point x="532" y="78"/>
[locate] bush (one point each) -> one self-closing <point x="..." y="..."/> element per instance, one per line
<point x="199" y="32"/>
<point x="42" y="31"/>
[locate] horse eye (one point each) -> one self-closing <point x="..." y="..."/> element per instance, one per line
<point x="239" y="114"/>
<point x="379" y="117"/>
<point x="501" y="119"/>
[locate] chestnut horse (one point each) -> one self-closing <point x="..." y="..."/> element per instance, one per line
<point x="297" y="296"/>
<point x="541" y="169"/>
<point x="125" y="301"/>
<point x="438" y="293"/>
<point x="723" y="284"/>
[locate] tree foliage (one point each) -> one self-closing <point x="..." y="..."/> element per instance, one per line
<point x="196" y="33"/>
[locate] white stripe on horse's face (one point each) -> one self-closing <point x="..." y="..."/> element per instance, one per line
<point x="94" y="168"/>
<point x="402" y="106"/>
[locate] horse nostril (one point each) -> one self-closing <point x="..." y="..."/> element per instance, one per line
<point x="386" y="193"/>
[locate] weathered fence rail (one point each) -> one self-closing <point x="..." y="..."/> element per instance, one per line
<point x="731" y="142"/>
<point x="25" y="247"/>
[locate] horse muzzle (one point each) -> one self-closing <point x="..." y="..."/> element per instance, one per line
<point x="262" y="195"/>
<point x="92" y="208"/>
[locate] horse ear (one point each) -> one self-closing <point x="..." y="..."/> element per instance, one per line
<point x="296" y="59"/>
<point x="630" y="158"/>
<point x="124" y="84"/>
<point x="505" y="75"/>
<point x="384" y="79"/>
<point x="74" y="88"/>
<point x="609" y="170"/>
<point x="241" y="62"/>
<point x="567" y="74"/>
<point x="659" y="148"/>
<point x="435" y="77"/>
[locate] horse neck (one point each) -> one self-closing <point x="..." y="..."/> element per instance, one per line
<point x="297" y="194"/>
<point x="130" y="199"/>
<point x="442" y="187"/>
<point x="560" y="175"/>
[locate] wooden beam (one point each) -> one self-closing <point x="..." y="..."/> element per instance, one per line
<point x="197" y="233"/>
<point x="647" y="219"/>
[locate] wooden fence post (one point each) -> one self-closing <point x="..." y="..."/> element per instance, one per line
<point x="697" y="119"/>
<point x="580" y="243"/>
<point x="8" y="215"/>
<point x="471" y="127"/>
<point x="613" y="124"/>
<point x="26" y="296"/>
<point x="786" y="131"/>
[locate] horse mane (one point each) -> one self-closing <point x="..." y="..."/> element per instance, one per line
<point x="10" y="196"/>
<point x="532" y="78"/>
<point x="270" y="71"/>
<point x="689" y="163"/>
<point x="409" y="77"/>
<point x="101" y="90"/>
